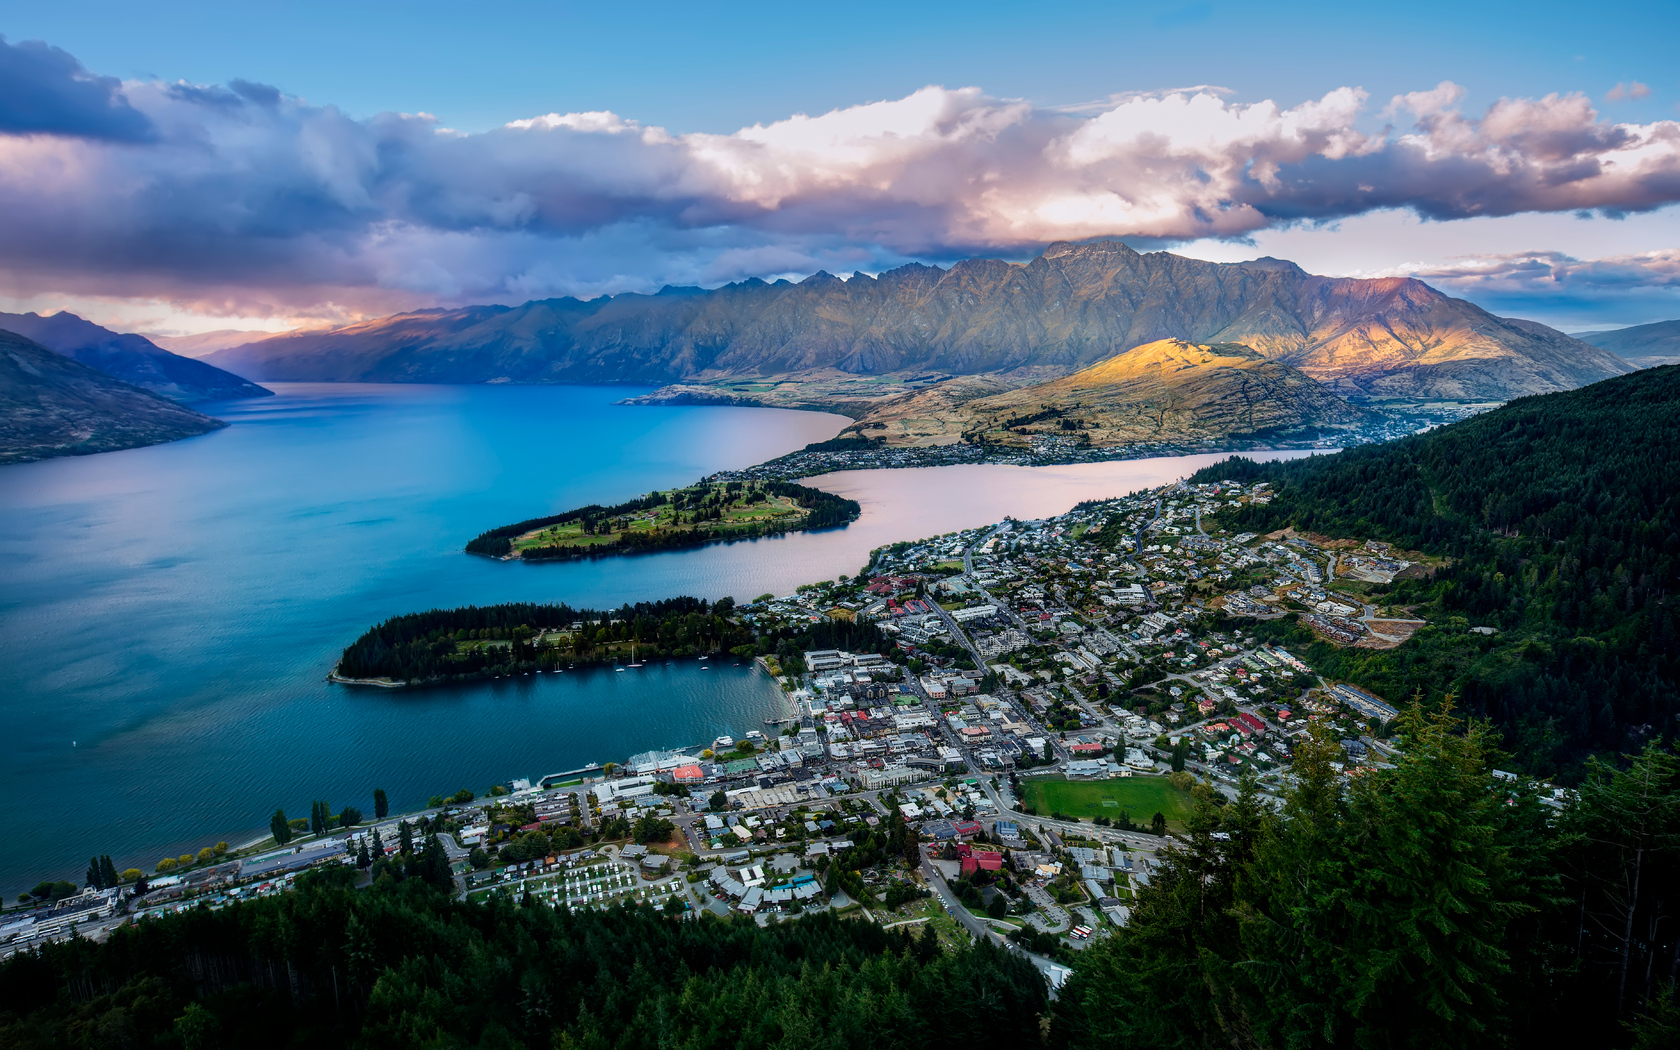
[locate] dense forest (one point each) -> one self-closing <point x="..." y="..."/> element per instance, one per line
<point x="478" y="641"/>
<point x="822" y="510"/>
<point x="406" y="966"/>
<point x="1559" y="517"/>
<point x="1428" y="904"/>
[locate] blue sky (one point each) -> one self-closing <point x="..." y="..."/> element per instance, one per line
<point x="230" y="207"/>
<point x="702" y="67"/>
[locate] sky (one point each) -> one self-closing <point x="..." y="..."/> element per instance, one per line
<point x="182" y="167"/>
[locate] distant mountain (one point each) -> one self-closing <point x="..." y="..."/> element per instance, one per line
<point x="131" y="358"/>
<point x="1069" y="308"/>
<point x="1168" y="390"/>
<point x="1645" y="345"/>
<point x="52" y="405"/>
<point x="201" y="343"/>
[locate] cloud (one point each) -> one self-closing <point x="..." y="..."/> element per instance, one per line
<point x="243" y="194"/>
<point x="1631" y="288"/>
<point x="1632" y="89"/>
<point x="45" y="91"/>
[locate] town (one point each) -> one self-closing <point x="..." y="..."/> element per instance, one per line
<point x="1049" y="703"/>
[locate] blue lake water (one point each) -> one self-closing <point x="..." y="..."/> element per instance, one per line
<point x="168" y="614"/>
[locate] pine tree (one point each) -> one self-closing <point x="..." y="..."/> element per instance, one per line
<point x="406" y="840"/>
<point x="381" y="806"/>
<point x="281" y="829"/>
<point x="316" y="825"/>
<point x="108" y="871"/>
<point x="95" y="877"/>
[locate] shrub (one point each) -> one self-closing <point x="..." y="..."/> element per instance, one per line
<point x="206" y="855"/>
<point x="168" y="864"/>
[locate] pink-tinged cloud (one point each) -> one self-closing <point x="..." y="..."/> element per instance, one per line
<point x="242" y="194"/>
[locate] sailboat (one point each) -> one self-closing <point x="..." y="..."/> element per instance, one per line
<point x="633" y="661"/>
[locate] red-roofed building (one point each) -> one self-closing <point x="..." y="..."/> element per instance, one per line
<point x="1087" y="749"/>
<point x="687" y="774"/>
<point x="967" y="827"/>
<point x="1255" y="726"/>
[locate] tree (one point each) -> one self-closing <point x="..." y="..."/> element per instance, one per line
<point x="381" y="805"/>
<point x="405" y="838"/>
<point x="719" y="799"/>
<point x="999" y="907"/>
<point x="206" y="855"/>
<point x="363" y="859"/>
<point x="317" y="824"/>
<point x="95" y="876"/>
<point x="1049" y="752"/>
<point x="281" y="828"/>
<point x="349" y="817"/>
<point x="1120" y="751"/>
<point x="1158" y="823"/>
<point x="1180" y="752"/>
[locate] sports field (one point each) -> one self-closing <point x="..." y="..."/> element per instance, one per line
<point x="1142" y="797"/>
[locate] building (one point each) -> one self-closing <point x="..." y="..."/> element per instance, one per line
<point x="690" y="774"/>
<point x="875" y="779"/>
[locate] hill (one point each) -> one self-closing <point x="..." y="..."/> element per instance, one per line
<point x="132" y="358"/>
<point x="1168" y="390"/>
<point x="1643" y="345"/>
<point x="1560" y="517"/>
<point x="1071" y="307"/>
<point x="51" y="405"/>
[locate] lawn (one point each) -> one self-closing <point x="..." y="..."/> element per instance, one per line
<point x="1142" y="797"/>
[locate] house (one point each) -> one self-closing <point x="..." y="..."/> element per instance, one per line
<point x="690" y="774"/>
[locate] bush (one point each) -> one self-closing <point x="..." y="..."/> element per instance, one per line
<point x="206" y="855"/>
<point x="349" y="817"/>
<point x="221" y="848"/>
<point x="132" y="875"/>
<point x="462" y="796"/>
<point x="168" y="864"/>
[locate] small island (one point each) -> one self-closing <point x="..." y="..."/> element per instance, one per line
<point x="677" y="519"/>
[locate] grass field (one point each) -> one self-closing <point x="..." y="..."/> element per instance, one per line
<point x="1142" y="797"/>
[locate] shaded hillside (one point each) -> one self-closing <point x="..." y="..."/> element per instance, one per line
<point x="1643" y="345"/>
<point x="1070" y="307"/>
<point x="1561" y="517"/>
<point x="132" y="358"/>
<point x="1168" y="390"/>
<point x="51" y="405"/>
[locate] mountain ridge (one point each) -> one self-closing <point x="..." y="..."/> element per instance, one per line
<point x="134" y="359"/>
<point x="53" y="405"/>
<point x="1643" y="345"/>
<point x="1166" y="390"/>
<point x="1070" y="307"/>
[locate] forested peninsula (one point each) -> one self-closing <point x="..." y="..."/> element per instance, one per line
<point x="1557" y="614"/>
<point x="678" y="519"/>
<point x="455" y="645"/>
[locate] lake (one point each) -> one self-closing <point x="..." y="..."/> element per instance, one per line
<point x="168" y="614"/>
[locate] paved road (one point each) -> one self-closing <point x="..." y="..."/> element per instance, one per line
<point x="1053" y="972"/>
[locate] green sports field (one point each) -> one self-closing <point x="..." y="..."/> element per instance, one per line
<point x="1142" y="797"/>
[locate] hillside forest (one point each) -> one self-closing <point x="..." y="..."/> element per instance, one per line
<point x="1559" y="520"/>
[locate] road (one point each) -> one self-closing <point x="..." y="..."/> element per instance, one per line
<point x="1053" y="972"/>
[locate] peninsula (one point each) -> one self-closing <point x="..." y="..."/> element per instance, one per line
<point x="677" y="519"/>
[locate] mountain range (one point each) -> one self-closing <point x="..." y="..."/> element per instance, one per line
<point x="53" y="405"/>
<point x="132" y="358"/>
<point x="1071" y="307"/>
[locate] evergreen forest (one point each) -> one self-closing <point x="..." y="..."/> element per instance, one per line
<point x="1558" y="517"/>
